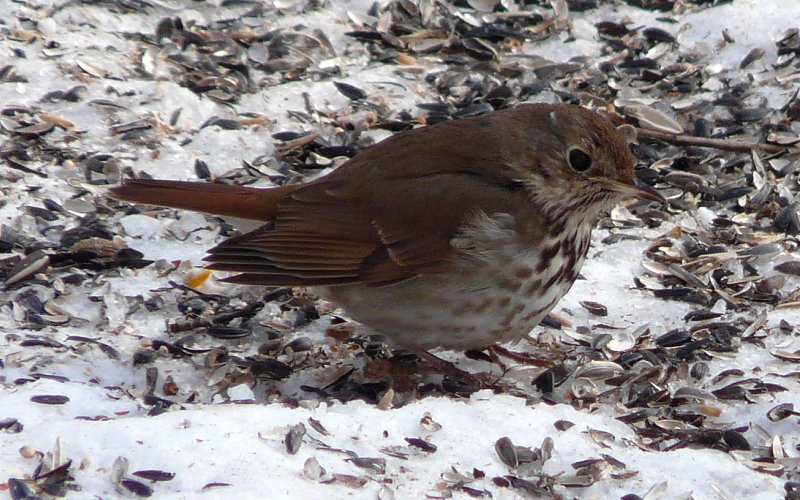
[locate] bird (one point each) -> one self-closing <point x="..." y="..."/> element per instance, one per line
<point x="457" y="235"/>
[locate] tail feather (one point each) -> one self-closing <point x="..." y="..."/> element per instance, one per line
<point x="225" y="200"/>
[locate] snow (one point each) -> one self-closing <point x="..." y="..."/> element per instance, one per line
<point x="242" y="445"/>
<point x="232" y="440"/>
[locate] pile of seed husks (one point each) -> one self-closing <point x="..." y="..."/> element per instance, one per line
<point x="726" y="244"/>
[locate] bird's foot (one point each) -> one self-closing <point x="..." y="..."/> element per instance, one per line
<point x="457" y="379"/>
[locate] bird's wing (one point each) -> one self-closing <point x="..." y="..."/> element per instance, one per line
<point x="387" y="215"/>
<point x="320" y="238"/>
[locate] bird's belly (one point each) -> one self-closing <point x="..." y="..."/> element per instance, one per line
<point x="462" y="310"/>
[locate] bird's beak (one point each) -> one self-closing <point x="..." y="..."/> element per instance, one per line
<point x="637" y="189"/>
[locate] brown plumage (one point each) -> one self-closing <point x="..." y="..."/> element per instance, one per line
<point x="455" y="235"/>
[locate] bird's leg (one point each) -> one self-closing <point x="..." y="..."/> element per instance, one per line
<point x="495" y="358"/>
<point x="441" y="365"/>
<point x="478" y="380"/>
<point x="496" y="350"/>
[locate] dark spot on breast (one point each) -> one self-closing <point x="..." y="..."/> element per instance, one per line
<point x="532" y="287"/>
<point x="556" y="277"/>
<point x="569" y="246"/>
<point x="550" y="305"/>
<point x="523" y="273"/>
<point x="547" y="255"/>
<point x="510" y="285"/>
<point x="557" y="227"/>
<point x="571" y="257"/>
<point x="483" y="305"/>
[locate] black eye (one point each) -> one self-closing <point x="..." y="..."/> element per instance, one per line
<point x="579" y="160"/>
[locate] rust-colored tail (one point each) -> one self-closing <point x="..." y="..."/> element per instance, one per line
<point x="216" y="199"/>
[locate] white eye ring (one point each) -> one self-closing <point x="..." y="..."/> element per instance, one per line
<point x="579" y="160"/>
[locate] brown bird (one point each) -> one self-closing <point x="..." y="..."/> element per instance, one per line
<point x="456" y="235"/>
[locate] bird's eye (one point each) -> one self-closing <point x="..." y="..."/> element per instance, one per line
<point x="579" y="160"/>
